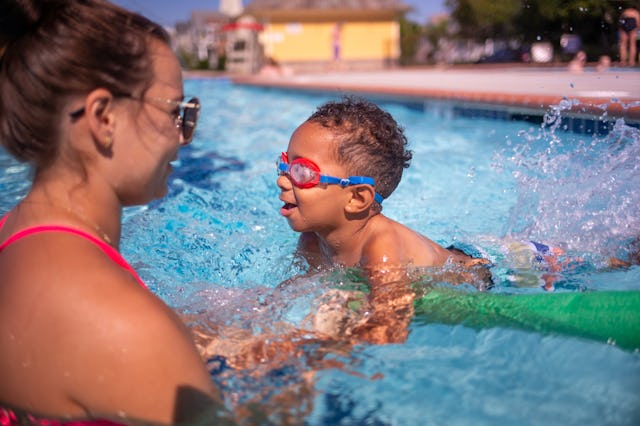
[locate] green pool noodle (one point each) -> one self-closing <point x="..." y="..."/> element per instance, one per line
<point x="609" y="316"/>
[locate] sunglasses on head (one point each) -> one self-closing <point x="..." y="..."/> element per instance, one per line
<point x="304" y="173"/>
<point x="185" y="114"/>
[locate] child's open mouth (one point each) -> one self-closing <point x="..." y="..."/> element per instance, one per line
<point x="287" y="209"/>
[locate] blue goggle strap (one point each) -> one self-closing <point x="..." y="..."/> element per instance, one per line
<point x="351" y="180"/>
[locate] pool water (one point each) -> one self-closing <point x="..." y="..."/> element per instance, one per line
<point x="216" y="247"/>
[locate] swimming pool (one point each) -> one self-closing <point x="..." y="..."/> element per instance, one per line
<point x="216" y="245"/>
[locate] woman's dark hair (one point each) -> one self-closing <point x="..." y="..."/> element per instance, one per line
<point x="369" y="141"/>
<point x="51" y="50"/>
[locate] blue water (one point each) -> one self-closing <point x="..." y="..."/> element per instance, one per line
<point x="216" y="246"/>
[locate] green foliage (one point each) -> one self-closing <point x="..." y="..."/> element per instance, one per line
<point x="190" y="61"/>
<point x="534" y="20"/>
<point x="222" y="63"/>
<point x="410" y="33"/>
<point x="187" y="59"/>
<point x="485" y="18"/>
<point x="436" y="31"/>
<point x="202" y="64"/>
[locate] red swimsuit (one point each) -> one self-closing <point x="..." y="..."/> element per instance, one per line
<point x="7" y="416"/>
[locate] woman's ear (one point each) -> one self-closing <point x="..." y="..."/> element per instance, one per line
<point x="362" y="196"/>
<point x="100" y="117"/>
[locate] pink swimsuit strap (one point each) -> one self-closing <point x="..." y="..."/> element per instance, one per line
<point x="8" y="416"/>
<point x="106" y="248"/>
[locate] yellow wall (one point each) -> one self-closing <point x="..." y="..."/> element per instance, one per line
<point x="314" y="41"/>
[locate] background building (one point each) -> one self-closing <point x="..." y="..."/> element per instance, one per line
<point x="200" y="42"/>
<point x="302" y="35"/>
<point x="321" y="34"/>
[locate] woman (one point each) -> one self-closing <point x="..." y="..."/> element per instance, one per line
<point x="627" y="31"/>
<point x="92" y="98"/>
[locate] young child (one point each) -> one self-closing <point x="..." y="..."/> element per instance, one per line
<point x="340" y="165"/>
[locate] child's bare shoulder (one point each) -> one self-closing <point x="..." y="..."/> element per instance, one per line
<point x="394" y="243"/>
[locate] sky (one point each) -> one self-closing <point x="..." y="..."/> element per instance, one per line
<point x="168" y="12"/>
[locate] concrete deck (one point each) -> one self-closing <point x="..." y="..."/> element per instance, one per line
<point x="523" y="90"/>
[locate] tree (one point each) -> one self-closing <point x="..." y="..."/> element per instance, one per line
<point x="409" y="38"/>
<point x="534" y="20"/>
<point x="482" y="19"/>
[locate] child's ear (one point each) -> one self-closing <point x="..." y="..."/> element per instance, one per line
<point x="362" y="196"/>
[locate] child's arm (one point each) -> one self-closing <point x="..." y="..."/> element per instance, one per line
<point x="390" y="306"/>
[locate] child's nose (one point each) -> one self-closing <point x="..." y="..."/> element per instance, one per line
<point x="284" y="183"/>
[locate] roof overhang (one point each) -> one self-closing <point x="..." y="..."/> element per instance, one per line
<point x="331" y="15"/>
<point x="253" y="26"/>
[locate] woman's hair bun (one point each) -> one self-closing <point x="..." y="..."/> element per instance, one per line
<point x="18" y="17"/>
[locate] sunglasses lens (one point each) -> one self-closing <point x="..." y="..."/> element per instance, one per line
<point x="190" y="119"/>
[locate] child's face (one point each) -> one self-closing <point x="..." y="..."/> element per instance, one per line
<point x="320" y="208"/>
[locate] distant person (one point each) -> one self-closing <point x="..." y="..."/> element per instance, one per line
<point x="627" y="33"/>
<point x="578" y="62"/>
<point x="604" y="63"/>
<point x="92" y="98"/>
<point x="272" y="68"/>
<point x="336" y="45"/>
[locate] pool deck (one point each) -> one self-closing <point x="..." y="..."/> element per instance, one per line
<point x="517" y="89"/>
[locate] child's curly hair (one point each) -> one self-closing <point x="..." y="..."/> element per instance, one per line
<point x="369" y="141"/>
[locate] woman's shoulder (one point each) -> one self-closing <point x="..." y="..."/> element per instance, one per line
<point x="77" y="286"/>
<point x="96" y="322"/>
<point x="74" y="282"/>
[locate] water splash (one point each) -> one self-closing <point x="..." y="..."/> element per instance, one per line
<point x="577" y="191"/>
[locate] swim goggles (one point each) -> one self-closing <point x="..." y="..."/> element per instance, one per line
<point x="304" y="173"/>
